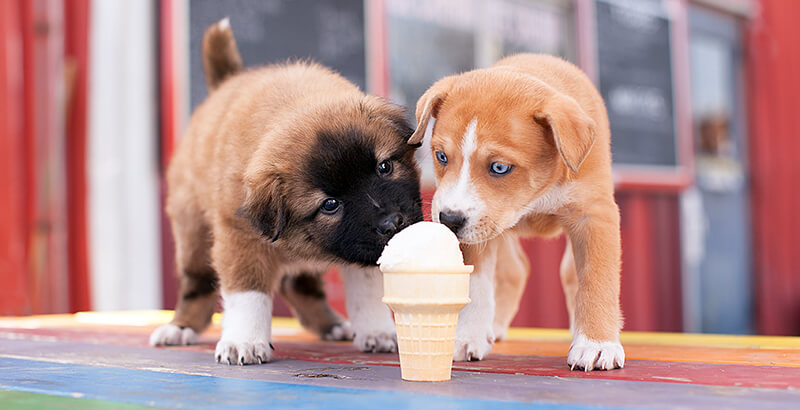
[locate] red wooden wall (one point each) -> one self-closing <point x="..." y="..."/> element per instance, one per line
<point x="773" y="59"/>
<point x="43" y="258"/>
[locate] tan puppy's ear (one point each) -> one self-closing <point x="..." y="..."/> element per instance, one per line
<point x="573" y="130"/>
<point x="265" y="208"/>
<point x="428" y="107"/>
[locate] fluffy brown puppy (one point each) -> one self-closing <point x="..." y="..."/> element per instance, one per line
<point x="522" y="148"/>
<point x="283" y="171"/>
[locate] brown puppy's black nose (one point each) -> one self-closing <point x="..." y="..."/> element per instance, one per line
<point x="453" y="221"/>
<point x="391" y="224"/>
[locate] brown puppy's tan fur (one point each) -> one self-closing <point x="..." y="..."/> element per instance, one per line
<point x="237" y="182"/>
<point x="543" y="116"/>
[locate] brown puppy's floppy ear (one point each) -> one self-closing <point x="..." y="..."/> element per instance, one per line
<point x="573" y="130"/>
<point x="265" y="208"/>
<point x="393" y="114"/>
<point x="428" y="106"/>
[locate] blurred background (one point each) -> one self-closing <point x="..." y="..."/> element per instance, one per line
<point x="702" y="97"/>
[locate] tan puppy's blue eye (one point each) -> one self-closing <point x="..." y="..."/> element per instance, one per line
<point x="441" y="157"/>
<point x="385" y="167"/>
<point x="499" y="168"/>
<point x="330" y="206"/>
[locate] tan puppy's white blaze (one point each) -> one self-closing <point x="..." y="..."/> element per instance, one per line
<point x="522" y="148"/>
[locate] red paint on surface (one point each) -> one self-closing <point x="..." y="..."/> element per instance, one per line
<point x="76" y="48"/>
<point x="738" y="375"/>
<point x="773" y="61"/>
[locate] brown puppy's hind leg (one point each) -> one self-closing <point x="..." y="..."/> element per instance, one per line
<point x="511" y="274"/>
<point x="198" y="284"/>
<point x="305" y="294"/>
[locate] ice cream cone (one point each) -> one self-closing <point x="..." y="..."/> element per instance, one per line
<point x="426" y="306"/>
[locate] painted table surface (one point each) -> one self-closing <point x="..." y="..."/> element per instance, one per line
<point x="102" y="360"/>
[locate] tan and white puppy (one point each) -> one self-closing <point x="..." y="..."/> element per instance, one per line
<point x="522" y="148"/>
<point x="284" y="170"/>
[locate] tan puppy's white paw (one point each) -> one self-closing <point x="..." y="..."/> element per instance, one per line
<point x="472" y="348"/>
<point x="342" y="331"/>
<point x="171" y="335"/>
<point x="587" y="354"/>
<point x="243" y="353"/>
<point x="382" y="342"/>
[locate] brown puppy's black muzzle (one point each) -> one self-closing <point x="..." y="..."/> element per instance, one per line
<point x="391" y="224"/>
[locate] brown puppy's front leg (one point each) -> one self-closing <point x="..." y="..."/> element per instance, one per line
<point x="595" y="237"/>
<point x="371" y="319"/>
<point x="247" y="268"/>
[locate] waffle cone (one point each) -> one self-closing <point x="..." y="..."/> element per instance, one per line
<point x="426" y="306"/>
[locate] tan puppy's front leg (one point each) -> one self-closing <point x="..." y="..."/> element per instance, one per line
<point x="475" y="334"/>
<point x="511" y="274"/>
<point x="595" y="238"/>
<point x="371" y="319"/>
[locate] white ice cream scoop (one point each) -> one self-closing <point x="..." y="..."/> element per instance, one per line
<point x="424" y="246"/>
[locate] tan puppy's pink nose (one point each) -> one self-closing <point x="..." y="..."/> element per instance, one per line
<point x="454" y="220"/>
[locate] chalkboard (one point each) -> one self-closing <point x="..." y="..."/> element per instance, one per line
<point x="331" y="32"/>
<point x="635" y="79"/>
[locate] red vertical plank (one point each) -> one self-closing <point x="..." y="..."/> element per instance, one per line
<point x="43" y="40"/>
<point x="167" y="88"/>
<point x="14" y="296"/>
<point x="666" y="273"/>
<point x="543" y="302"/>
<point x="773" y="61"/>
<point x="76" y="50"/>
<point x="377" y="52"/>
<point x="30" y="145"/>
<point x="637" y="262"/>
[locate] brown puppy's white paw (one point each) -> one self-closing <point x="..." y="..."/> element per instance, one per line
<point x="382" y="342"/>
<point x="171" y="335"/>
<point x="242" y="353"/>
<point x="472" y="348"/>
<point x="342" y="331"/>
<point x="588" y="355"/>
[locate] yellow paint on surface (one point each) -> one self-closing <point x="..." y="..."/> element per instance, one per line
<point x="668" y="339"/>
<point x="643" y="345"/>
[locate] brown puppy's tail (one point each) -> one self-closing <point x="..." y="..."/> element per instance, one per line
<point x="221" y="57"/>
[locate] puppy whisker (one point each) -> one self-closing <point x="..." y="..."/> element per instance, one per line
<point x="374" y="202"/>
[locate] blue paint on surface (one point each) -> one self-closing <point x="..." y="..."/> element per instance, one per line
<point x="174" y="390"/>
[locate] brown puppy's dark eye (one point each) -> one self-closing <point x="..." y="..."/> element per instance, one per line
<point x="385" y="167"/>
<point x="330" y="206"/>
